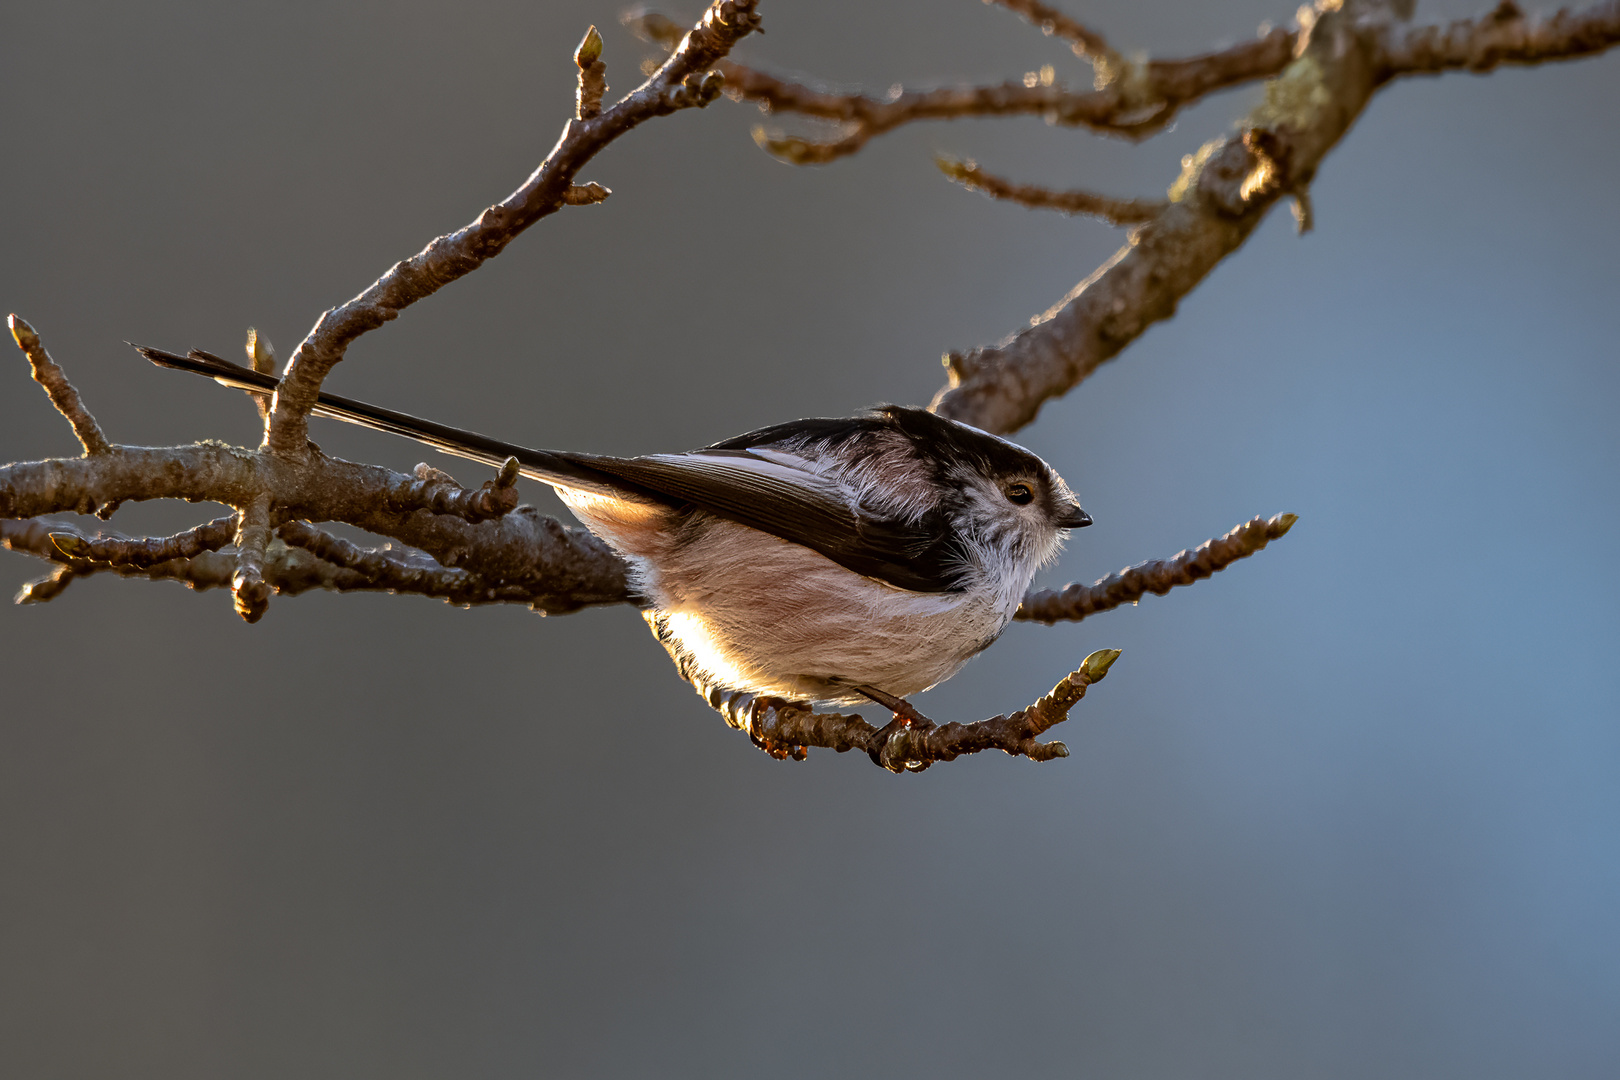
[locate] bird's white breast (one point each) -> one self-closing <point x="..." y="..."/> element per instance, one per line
<point x="756" y="613"/>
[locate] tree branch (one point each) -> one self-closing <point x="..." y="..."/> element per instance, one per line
<point x="519" y="555"/>
<point x="786" y="729"/>
<point x="248" y="587"/>
<point x="116" y="550"/>
<point x="44" y="590"/>
<point x="1504" y="36"/>
<point x="1074" y="602"/>
<point x="436" y="491"/>
<point x="296" y="559"/>
<point x="680" y="83"/>
<point x="58" y="389"/>
<point x="407" y="572"/>
<point x="1134" y="100"/>
<point x="557" y="568"/>
<point x="1224" y="191"/>
<point x="1085" y="42"/>
<point x="1113" y="211"/>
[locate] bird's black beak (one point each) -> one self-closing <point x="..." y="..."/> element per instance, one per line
<point x="1075" y="518"/>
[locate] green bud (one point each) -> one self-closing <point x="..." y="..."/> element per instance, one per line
<point x="590" y="50"/>
<point x="72" y="545"/>
<point x="261" y="354"/>
<point x="1095" y="666"/>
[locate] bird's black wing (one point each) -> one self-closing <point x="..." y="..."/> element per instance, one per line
<point x="774" y="496"/>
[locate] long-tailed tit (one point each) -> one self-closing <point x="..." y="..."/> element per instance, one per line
<point x="833" y="560"/>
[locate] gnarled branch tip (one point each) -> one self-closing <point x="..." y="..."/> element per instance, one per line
<point x="588" y="194"/>
<point x="47" y="588"/>
<point x="22" y="333"/>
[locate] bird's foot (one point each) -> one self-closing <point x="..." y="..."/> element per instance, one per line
<point x="906" y="717"/>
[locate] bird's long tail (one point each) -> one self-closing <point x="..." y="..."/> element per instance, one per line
<point x="549" y="466"/>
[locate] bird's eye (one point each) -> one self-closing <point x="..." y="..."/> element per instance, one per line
<point x="1019" y="493"/>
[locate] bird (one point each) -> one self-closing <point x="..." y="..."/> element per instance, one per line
<point x="826" y="560"/>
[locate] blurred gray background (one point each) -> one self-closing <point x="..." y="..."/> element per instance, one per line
<point x="1348" y="810"/>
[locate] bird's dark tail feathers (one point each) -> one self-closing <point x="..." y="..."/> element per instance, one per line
<point x="550" y="466"/>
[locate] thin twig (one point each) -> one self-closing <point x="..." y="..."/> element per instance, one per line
<point x="140" y="552"/>
<point x="1085" y="42"/>
<point x="586" y="194"/>
<point x="1503" y="36"/>
<point x="44" y="590"/>
<point x="1138" y="100"/>
<point x="1114" y="211"/>
<point x="436" y="491"/>
<point x="393" y="572"/>
<point x="785" y="729"/>
<point x="562" y="568"/>
<point x="1225" y="190"/>
<point x="61" y="392"/>
<point x="1074" y="602"/>
<point x="289" y="569"/>
<point x="684" y="81"/>
<point x="248" y="587"/>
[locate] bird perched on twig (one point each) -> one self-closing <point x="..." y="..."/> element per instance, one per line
<point x="833" y="560"/>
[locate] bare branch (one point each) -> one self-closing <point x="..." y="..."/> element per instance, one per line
<point x="1504" y="36"/>
<point x="1074" y="602"/>
<point x="1085" y="42"/>
<point x="248" y="587"/>
<point x="402" y="573"/>
<point x="1225" y="190"/>
<point x="61" y="392"/>
<point x="680" y="83"/>
<point x="288" y="570"/>
<point x="297" y="559"/>
<point x="1114" y="211"/>
<point x="786" y="729"/>
<point x="437" y="491"/>
<point x="116" y="551"/>
<point x="585" y="194"/>
<point x="44" y="590"/>
<point x="562" y="569"/>
<point x="1137" y="99"/>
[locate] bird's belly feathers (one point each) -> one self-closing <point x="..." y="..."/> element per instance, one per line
<point x="755" y="613"/>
